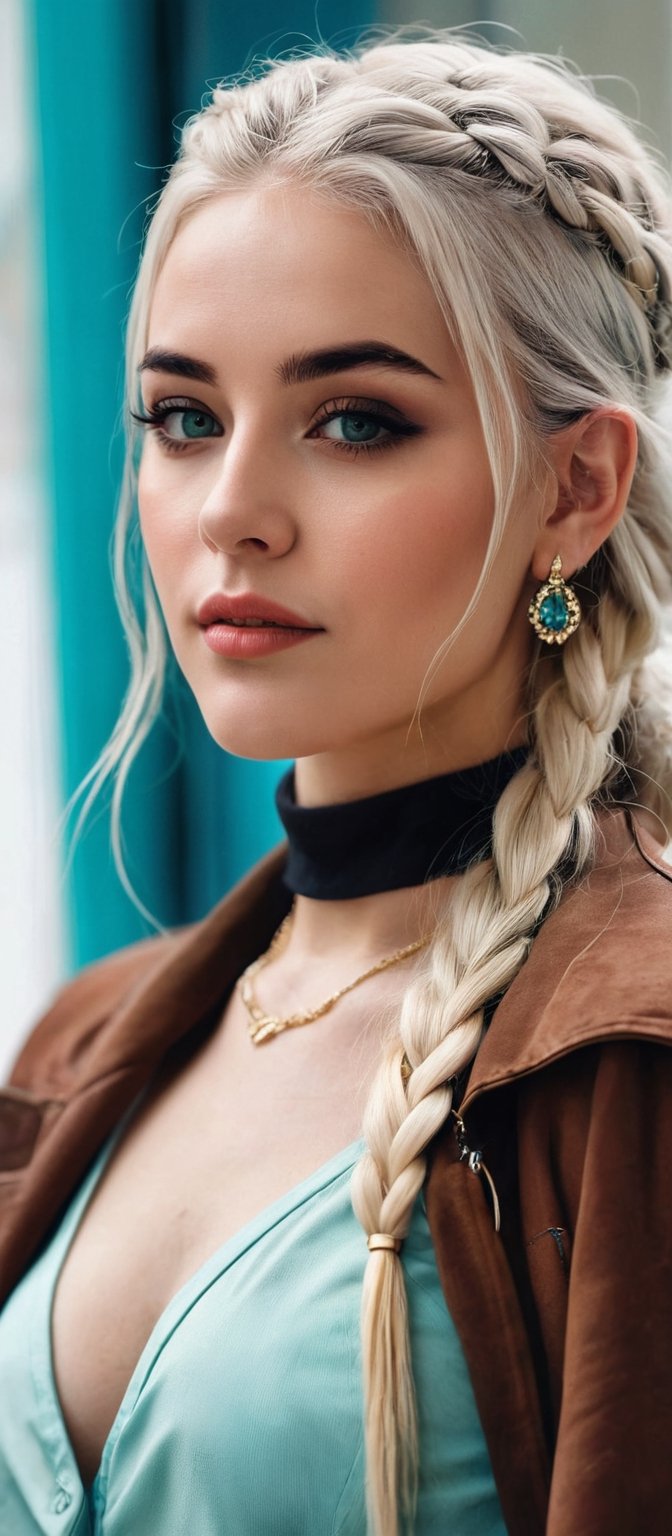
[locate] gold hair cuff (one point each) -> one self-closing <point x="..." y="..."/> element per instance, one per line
<point x="383" y="1240"/>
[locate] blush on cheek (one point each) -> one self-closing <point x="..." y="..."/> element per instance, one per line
<point x="433" y="541"/>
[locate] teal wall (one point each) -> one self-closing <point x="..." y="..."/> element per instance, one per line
<point x="113" y="81"/>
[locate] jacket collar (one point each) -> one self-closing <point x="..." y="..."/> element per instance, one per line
<point x="575" y="987"/>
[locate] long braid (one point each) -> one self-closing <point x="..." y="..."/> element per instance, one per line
<point x="542" y="817"/>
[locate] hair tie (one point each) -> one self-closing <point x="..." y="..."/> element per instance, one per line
<point x="383" y="1240"/>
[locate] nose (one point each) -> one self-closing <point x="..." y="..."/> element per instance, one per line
<point x="248" y="502"/>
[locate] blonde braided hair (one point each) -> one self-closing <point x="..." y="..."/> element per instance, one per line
<point x="544" y="227"/>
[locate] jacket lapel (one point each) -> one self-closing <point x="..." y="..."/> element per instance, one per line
<point x="569" y="993"/>
<point x="484" y="1306"/>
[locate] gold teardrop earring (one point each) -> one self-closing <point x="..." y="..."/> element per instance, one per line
<point x="555" y="611"/>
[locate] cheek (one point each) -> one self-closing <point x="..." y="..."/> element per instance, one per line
<point x="426" y="543"/>
<point x="165" y="525"/>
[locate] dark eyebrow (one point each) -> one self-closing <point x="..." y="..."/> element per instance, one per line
<point x="301" y="366"/>
<point x="176" y="362"/>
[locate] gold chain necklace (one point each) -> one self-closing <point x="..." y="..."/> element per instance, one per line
<point x="262" y="1026"/>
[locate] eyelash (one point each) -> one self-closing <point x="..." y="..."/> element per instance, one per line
<point x="399" y="429"/>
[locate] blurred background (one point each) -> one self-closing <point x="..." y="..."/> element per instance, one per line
<point x="92" y="97"/>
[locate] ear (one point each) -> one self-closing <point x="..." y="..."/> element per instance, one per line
<point x="594" y="462"/>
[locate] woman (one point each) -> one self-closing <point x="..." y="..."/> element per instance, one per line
<point x="397" y="357"/>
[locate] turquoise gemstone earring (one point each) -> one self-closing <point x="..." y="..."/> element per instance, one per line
<point x="555" y="612"/>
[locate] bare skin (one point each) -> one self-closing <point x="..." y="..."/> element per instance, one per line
<point x="382" y="549"/>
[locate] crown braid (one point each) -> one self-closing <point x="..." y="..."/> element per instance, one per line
<point x="472" y="122"/>
<point x="588" y="190"/>
<point x="483" y="131"/>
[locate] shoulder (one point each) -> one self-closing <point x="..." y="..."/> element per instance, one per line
<point x="81" y="1008"/>
<point x="617" y="925"/>
<point x="607" y="949"/>
<point x="133" y="1002"/>
<point x="599" y="969"/>
<point x="655" y="854"/>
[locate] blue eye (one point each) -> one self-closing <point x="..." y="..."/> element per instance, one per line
<point x="197" y="424"/>
<point x="361" y="426"/>
<point x="360" y="420"/>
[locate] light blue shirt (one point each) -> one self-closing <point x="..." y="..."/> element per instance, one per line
<point x="243" y="1416"/>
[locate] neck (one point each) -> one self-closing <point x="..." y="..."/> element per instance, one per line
<point x="364" y="927"/>
<point x="370" y="873"/>
<point x="373" y="767"/>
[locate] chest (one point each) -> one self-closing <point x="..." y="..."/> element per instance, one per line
<point x="212" y="1144"/>
<point x="248" y="1396"/>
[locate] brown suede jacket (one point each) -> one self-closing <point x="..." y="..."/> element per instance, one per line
<point x="565" y="1313"/>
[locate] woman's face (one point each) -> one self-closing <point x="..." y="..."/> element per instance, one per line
<point x="357" y="494"/>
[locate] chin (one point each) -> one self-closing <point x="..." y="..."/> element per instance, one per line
<point x="266" y="737"/>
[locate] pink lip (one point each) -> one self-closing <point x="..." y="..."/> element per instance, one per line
<point x="244" y="643"/>
<point x="248" y="605"/>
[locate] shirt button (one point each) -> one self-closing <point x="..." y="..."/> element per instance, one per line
<point x="62" y="1501"/>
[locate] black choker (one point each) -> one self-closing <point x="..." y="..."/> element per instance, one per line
<point x="400" y="838"/>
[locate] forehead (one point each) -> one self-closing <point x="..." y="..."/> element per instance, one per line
<point x="275" y="261"/>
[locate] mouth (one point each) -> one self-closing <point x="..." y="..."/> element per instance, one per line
<point x="260" y="624"/>
<point x="242" y="640"/>
<point x="249" y="610"/>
